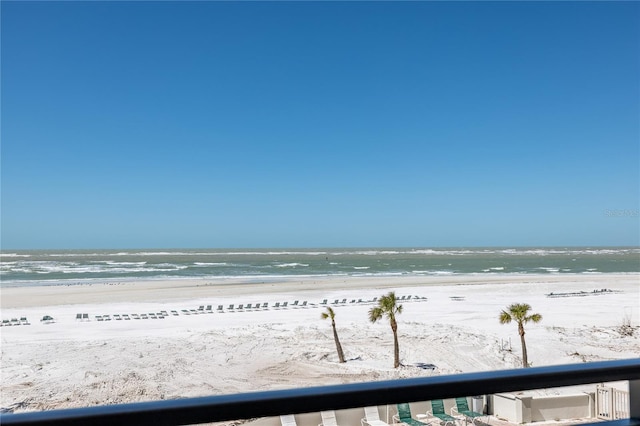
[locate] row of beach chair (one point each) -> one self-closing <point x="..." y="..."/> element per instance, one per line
<point x="15" y="322"/>
<point x="246" y="307"/>
<point x="278" y="305"/>
<point x="209" y="309"/>
<point x="127" y="317"/>
<point x="460" y="412"/>
<point x="374" y="300"/>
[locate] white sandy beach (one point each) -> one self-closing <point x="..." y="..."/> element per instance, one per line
<point x="71" y="363"/>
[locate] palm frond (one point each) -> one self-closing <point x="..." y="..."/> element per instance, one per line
<point x="375" y="314"/>
<point x="519" y="311"/>
<point x="505" y="317"/>
<point x="534" y="318"/>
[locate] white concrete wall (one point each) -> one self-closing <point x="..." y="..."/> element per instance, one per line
<point x="504" y="406"/>
<point x="562" y="407"/>
<point x="526" y="409"/>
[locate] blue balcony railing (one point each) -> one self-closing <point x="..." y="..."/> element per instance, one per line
<point x="305" y="400"/>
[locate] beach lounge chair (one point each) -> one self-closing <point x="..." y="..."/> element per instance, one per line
<point x="126" y="317"/>
<point x="288" y="420"/>
<point x="437" y="410"/>
<point x="220" y="308"/>
<point x="265" y="305"/>
<point x="462" y="409"/>
<point x="14" y="321"/>
<point x="47" y="319"/>
<point x="324" y="302"/>
<point x="277" y="305"/>
<point x="79" y="317"/>
<point x="304" y="304"/>
<point x="209" y="309"/>
<point x="328" y="418"/>
<point x="85" y="317"/>
<point x="404" y="416"/>
<point x="99" y="318"/>
<point x="372" y="417"/>
<point x="6" y="323"/>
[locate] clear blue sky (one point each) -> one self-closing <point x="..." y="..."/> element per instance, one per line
<point x="320" y="124"/>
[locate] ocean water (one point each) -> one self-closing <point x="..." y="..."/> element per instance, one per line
<point x="70" y="266"/>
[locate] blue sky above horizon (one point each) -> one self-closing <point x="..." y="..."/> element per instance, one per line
<point x="320" y="124"/>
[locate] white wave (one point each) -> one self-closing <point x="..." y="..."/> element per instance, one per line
<point x="290" y="265"/>
<point x="13" y="255"/>
<point x="361" y="267"/>
<point x="432" y="252"/>
<point x="97" y="268"/>
<point x="272" y="253"/>
<point x="210" y="264"/>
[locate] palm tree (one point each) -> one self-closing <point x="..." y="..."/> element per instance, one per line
<point x="387" y="307"/>
<point x="331" y="314"/>
<point x="518" y="312"/>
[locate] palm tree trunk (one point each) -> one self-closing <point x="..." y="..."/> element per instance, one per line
<point x="338" y="345"/>
<point x="396" y="346"/>
<point x="525" y="362"/>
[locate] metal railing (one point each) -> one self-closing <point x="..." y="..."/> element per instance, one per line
<point x="305" y="400"/>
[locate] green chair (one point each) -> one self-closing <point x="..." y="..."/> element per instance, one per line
<point x="437" y="410"/>
<point x="462" y="407"/>
<point x="404" y="416"/>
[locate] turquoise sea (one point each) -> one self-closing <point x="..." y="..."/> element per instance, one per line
<point x="29" y="267"/>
